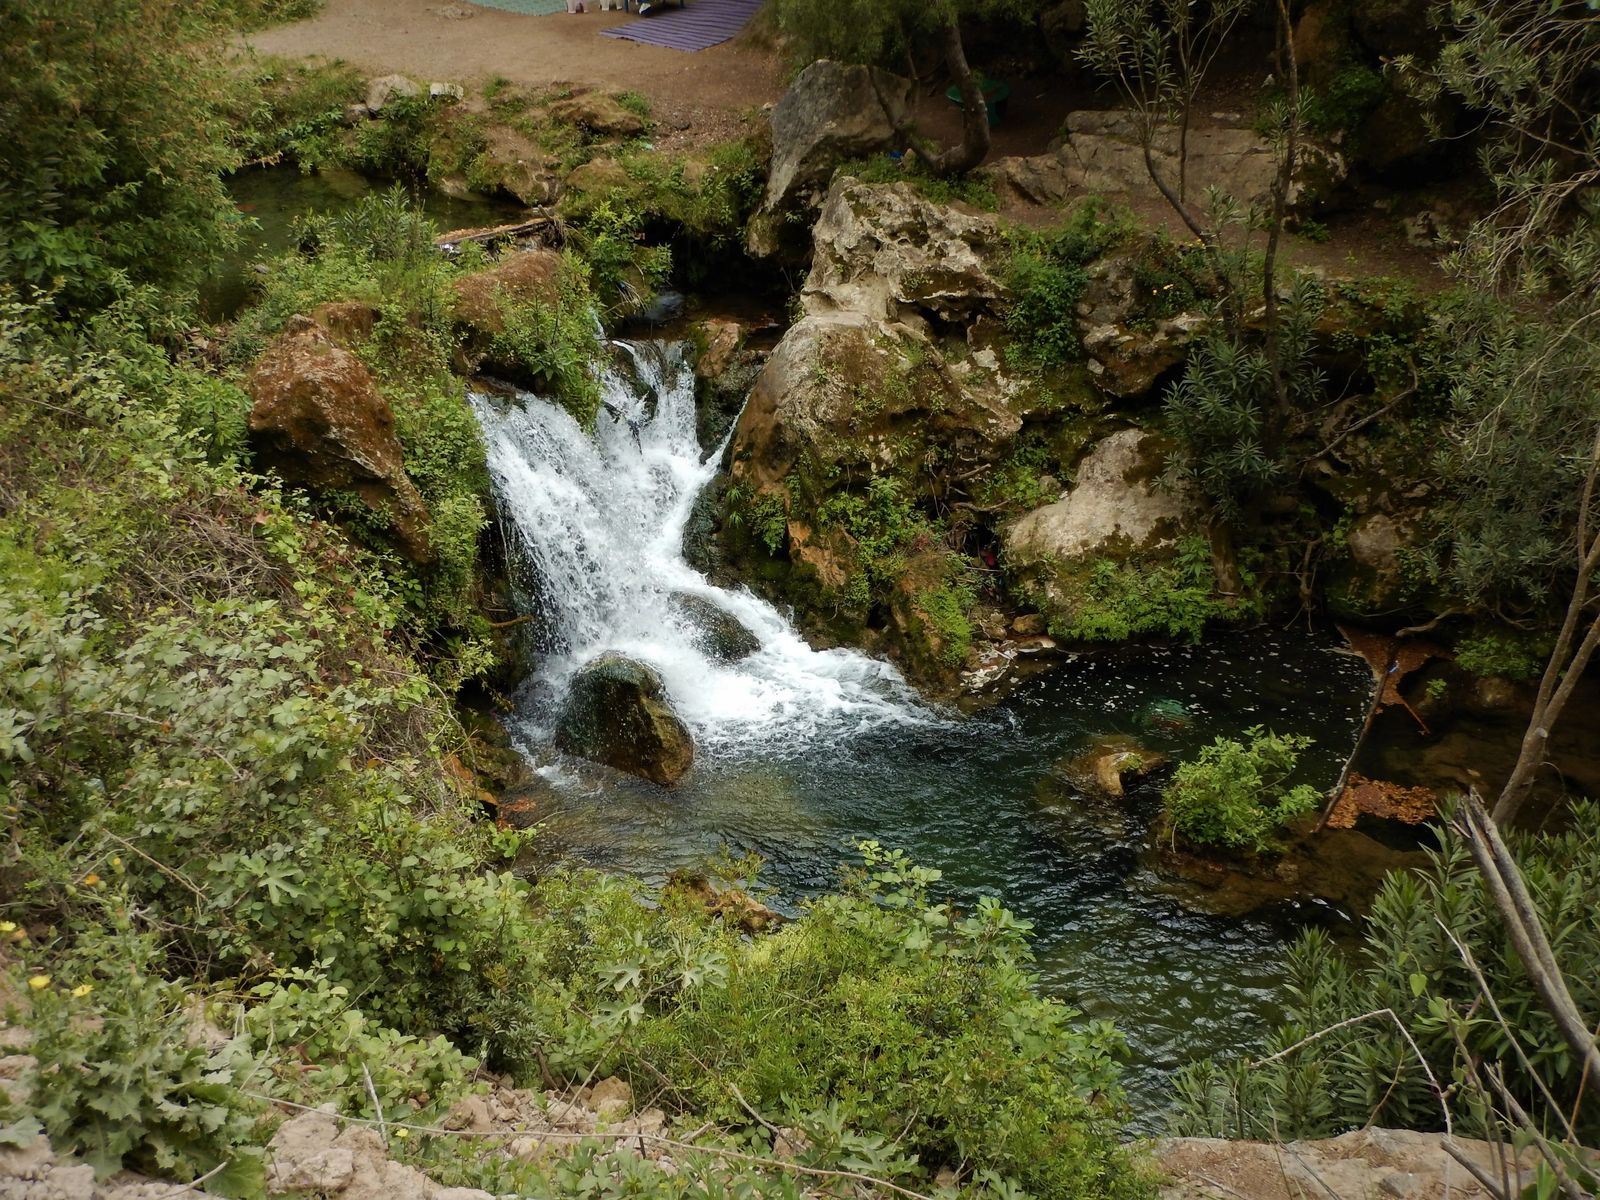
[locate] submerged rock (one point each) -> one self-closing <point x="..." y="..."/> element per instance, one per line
<point x="319" y="421"/>
<point x="1104" y="765"/>
<point x="617" y="714"/>
<point x="718" y="633"/>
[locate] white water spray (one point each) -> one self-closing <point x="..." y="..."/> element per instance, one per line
<point x="601" y="518"/>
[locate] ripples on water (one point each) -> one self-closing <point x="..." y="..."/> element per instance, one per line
<point x="801" y="753"/>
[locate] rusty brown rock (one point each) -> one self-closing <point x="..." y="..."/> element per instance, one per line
<point x="319" y="421"/>
<point x="528" y="276"/>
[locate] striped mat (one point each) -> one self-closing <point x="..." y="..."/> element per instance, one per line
<point x="703" y="23"/>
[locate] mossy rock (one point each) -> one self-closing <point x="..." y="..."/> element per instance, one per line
<point x="617" y="714"/>
<point x="718" y="633"/>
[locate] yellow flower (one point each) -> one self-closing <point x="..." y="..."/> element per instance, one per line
<point x="8" y="926"/>
<point x="402" y="1133"/>
<point x="116" y="861"/>
<point x="82" y="990"/>
<point x="91" y="880"/>
<point x="39" y="982"/>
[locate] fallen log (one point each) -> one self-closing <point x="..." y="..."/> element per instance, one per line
<point x="497" y="233"/>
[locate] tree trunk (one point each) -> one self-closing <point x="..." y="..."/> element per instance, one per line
<point x="974" y="145"/>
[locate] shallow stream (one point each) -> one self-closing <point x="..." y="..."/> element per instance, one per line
<point x="801" y="752"/>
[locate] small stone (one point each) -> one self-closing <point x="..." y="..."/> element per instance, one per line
<point x="1029" y="625"/>
<point x="470" y="1113"/>
<point x="611" y="1098"/>
<point x="385" y="88"/>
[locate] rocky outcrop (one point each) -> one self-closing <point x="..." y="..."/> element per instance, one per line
<point x="1127" y="355"/>
<point x="832" y="112"/>
<point x="1396" y="1163"/>
<point x="617" y="713"/>
<point x="319" y="421"/>
<point x="719" y="634"/>
<point x="1100" y="152"/>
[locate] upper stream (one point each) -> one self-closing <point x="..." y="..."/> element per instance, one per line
<point x="801" y="752"/>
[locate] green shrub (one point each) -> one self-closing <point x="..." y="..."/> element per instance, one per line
<point x="1235" y="794"/>
<point x="1510" y="654"/>
<point x="279" y="106"/>
<point x="972" y="190"/>
<point x="1410" y="962"/>
<point x="1140" y="598"/>
<point x="123" y="1080"/>
<point x="1045" y="275"/>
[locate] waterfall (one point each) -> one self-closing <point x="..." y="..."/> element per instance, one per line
<point x="600" y="517"/>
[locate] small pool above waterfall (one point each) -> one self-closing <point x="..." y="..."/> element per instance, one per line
<point x="800" y="753"/>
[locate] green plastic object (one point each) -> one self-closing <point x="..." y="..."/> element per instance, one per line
<point x="995" y="96"/>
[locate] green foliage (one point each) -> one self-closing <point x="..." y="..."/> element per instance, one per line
<point x="114" y="150"/>
<point x="1225" y="414"/>
<point x="1234" y="794"/>
<point x="556" y="343"/>
<point x="280" y="106"/>
<point x="1367" y="1073"/>
<point x="968" y="189"/>
<point x="123" y="1079"/>
<point x="946" y="609"/>
<point x="1343" y="103"/>
<point x="1509" y="653"/>
<point x="1137" y="598"/>
<point x="1522" y="397"/>
<point x="1045" y="275"/>
<point x="250" y="15"/>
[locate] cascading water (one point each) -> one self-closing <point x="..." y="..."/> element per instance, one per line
<point x="601" y="519"/>
<point x="801" y="752"/>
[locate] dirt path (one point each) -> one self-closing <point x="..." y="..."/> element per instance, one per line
<point x="464" y="43"/>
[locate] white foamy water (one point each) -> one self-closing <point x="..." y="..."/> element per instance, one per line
<point x="601" y="518"/>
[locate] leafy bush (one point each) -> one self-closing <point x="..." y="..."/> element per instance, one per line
<point x="115" y="147"/>
<point x="1510" y="654"/>
<point x="1230" y="427"/>
<point x="123" y="1078"/>
<point x="1045" y="276"/>
<point x="1235" y="794"/>
<point x="1141" y="598"/>
<point x="278" y="106"/>
<point x="1367" y="1073"/>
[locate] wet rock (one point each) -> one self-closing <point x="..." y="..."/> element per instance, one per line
<point x="738" y="908"/>
<point x="1029" y="625"/>
<point x="599" y="112"/>
<point x="385" y="89"/>
<point x="616" y="713"/>
<point x="1104" y="766"/>
<point x="831" y="113"/>
<point x="718" y="633"/>
<point x="318" y="420"/>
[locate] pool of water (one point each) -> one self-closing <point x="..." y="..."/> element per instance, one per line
<point x="276" y="199"/>
<point x="801" y="753"/>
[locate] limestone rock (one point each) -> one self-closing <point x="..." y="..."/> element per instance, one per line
<point x="717" y="632"/>
<point x="720" y="341"/>
<point x="1116" y="503"/>
<point x="886" y="251"/>
<point x="832" y="112"/>
<point x="599" y="112"/>
<point x="318" y="420"/>
<point x="1102" y="154"/>
<point x="305" y="1157"/>
<point x="610" y="1098"/>
<point x="617" y="713"/>
<point x="1105" y="764"/>
<point x="386" y="88"/>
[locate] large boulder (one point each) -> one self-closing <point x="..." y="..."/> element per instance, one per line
<point x="484" y="301"/>
<point x="717" y="632"/>
<point x="616" y="713"/>
<point x="1100" y="152"/>
<point x="832" y="112"/>
<point x="319" y="421"/>
<point x="1117" y="506"/>
<point x="887" y="252"/>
